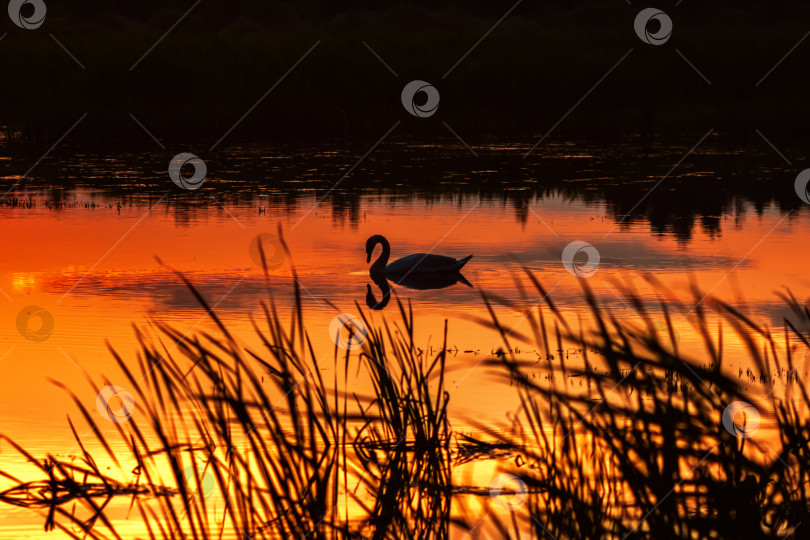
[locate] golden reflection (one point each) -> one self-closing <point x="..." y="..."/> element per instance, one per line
<point x="96" y="293"/>
<point x="21" y="282"/>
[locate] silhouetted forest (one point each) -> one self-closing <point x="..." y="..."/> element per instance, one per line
<point x="519" y="81"/>
<point x="192" y="87"/>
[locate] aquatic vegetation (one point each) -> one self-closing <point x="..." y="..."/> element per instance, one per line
<point x="232" y="442"/>
<point x="288" y="452"/>
<point x="636" y="455"/>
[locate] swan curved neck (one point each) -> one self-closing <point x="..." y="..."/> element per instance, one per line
<point x="382" y="261"/>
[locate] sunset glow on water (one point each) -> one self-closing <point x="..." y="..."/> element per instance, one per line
<point x="99" y="270"/>
<point x="469" y="270"/>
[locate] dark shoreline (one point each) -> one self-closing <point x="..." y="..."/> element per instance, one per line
<point x="715" y="180"/>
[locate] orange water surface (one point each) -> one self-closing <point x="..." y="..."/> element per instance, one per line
<point x="74" y="279"/>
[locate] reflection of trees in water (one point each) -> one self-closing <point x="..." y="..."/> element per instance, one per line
<point x="710" y="190"/>
<point x="346" y="207"/>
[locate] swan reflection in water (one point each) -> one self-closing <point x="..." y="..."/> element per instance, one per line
<point x="420" y="271"/>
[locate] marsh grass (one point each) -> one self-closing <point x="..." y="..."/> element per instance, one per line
<point x="643" y="453"/>
<point x="291" y="454"/>
<point x="637" y="450"/>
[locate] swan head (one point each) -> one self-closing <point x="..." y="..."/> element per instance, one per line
<point x="371" y="243"/>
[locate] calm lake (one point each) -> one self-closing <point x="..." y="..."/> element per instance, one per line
<point x="96" y="256"/>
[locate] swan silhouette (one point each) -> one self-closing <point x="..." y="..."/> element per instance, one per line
<point x="385" y="289"/>
<point x="417" y="271"/>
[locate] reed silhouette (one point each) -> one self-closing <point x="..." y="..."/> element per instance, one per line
<point x="642" y="452"/>
<point x="635" y="449"/>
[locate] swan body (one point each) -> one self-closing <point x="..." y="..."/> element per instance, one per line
<point x="422" y="282"/>
<point x="416" y="266"/>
